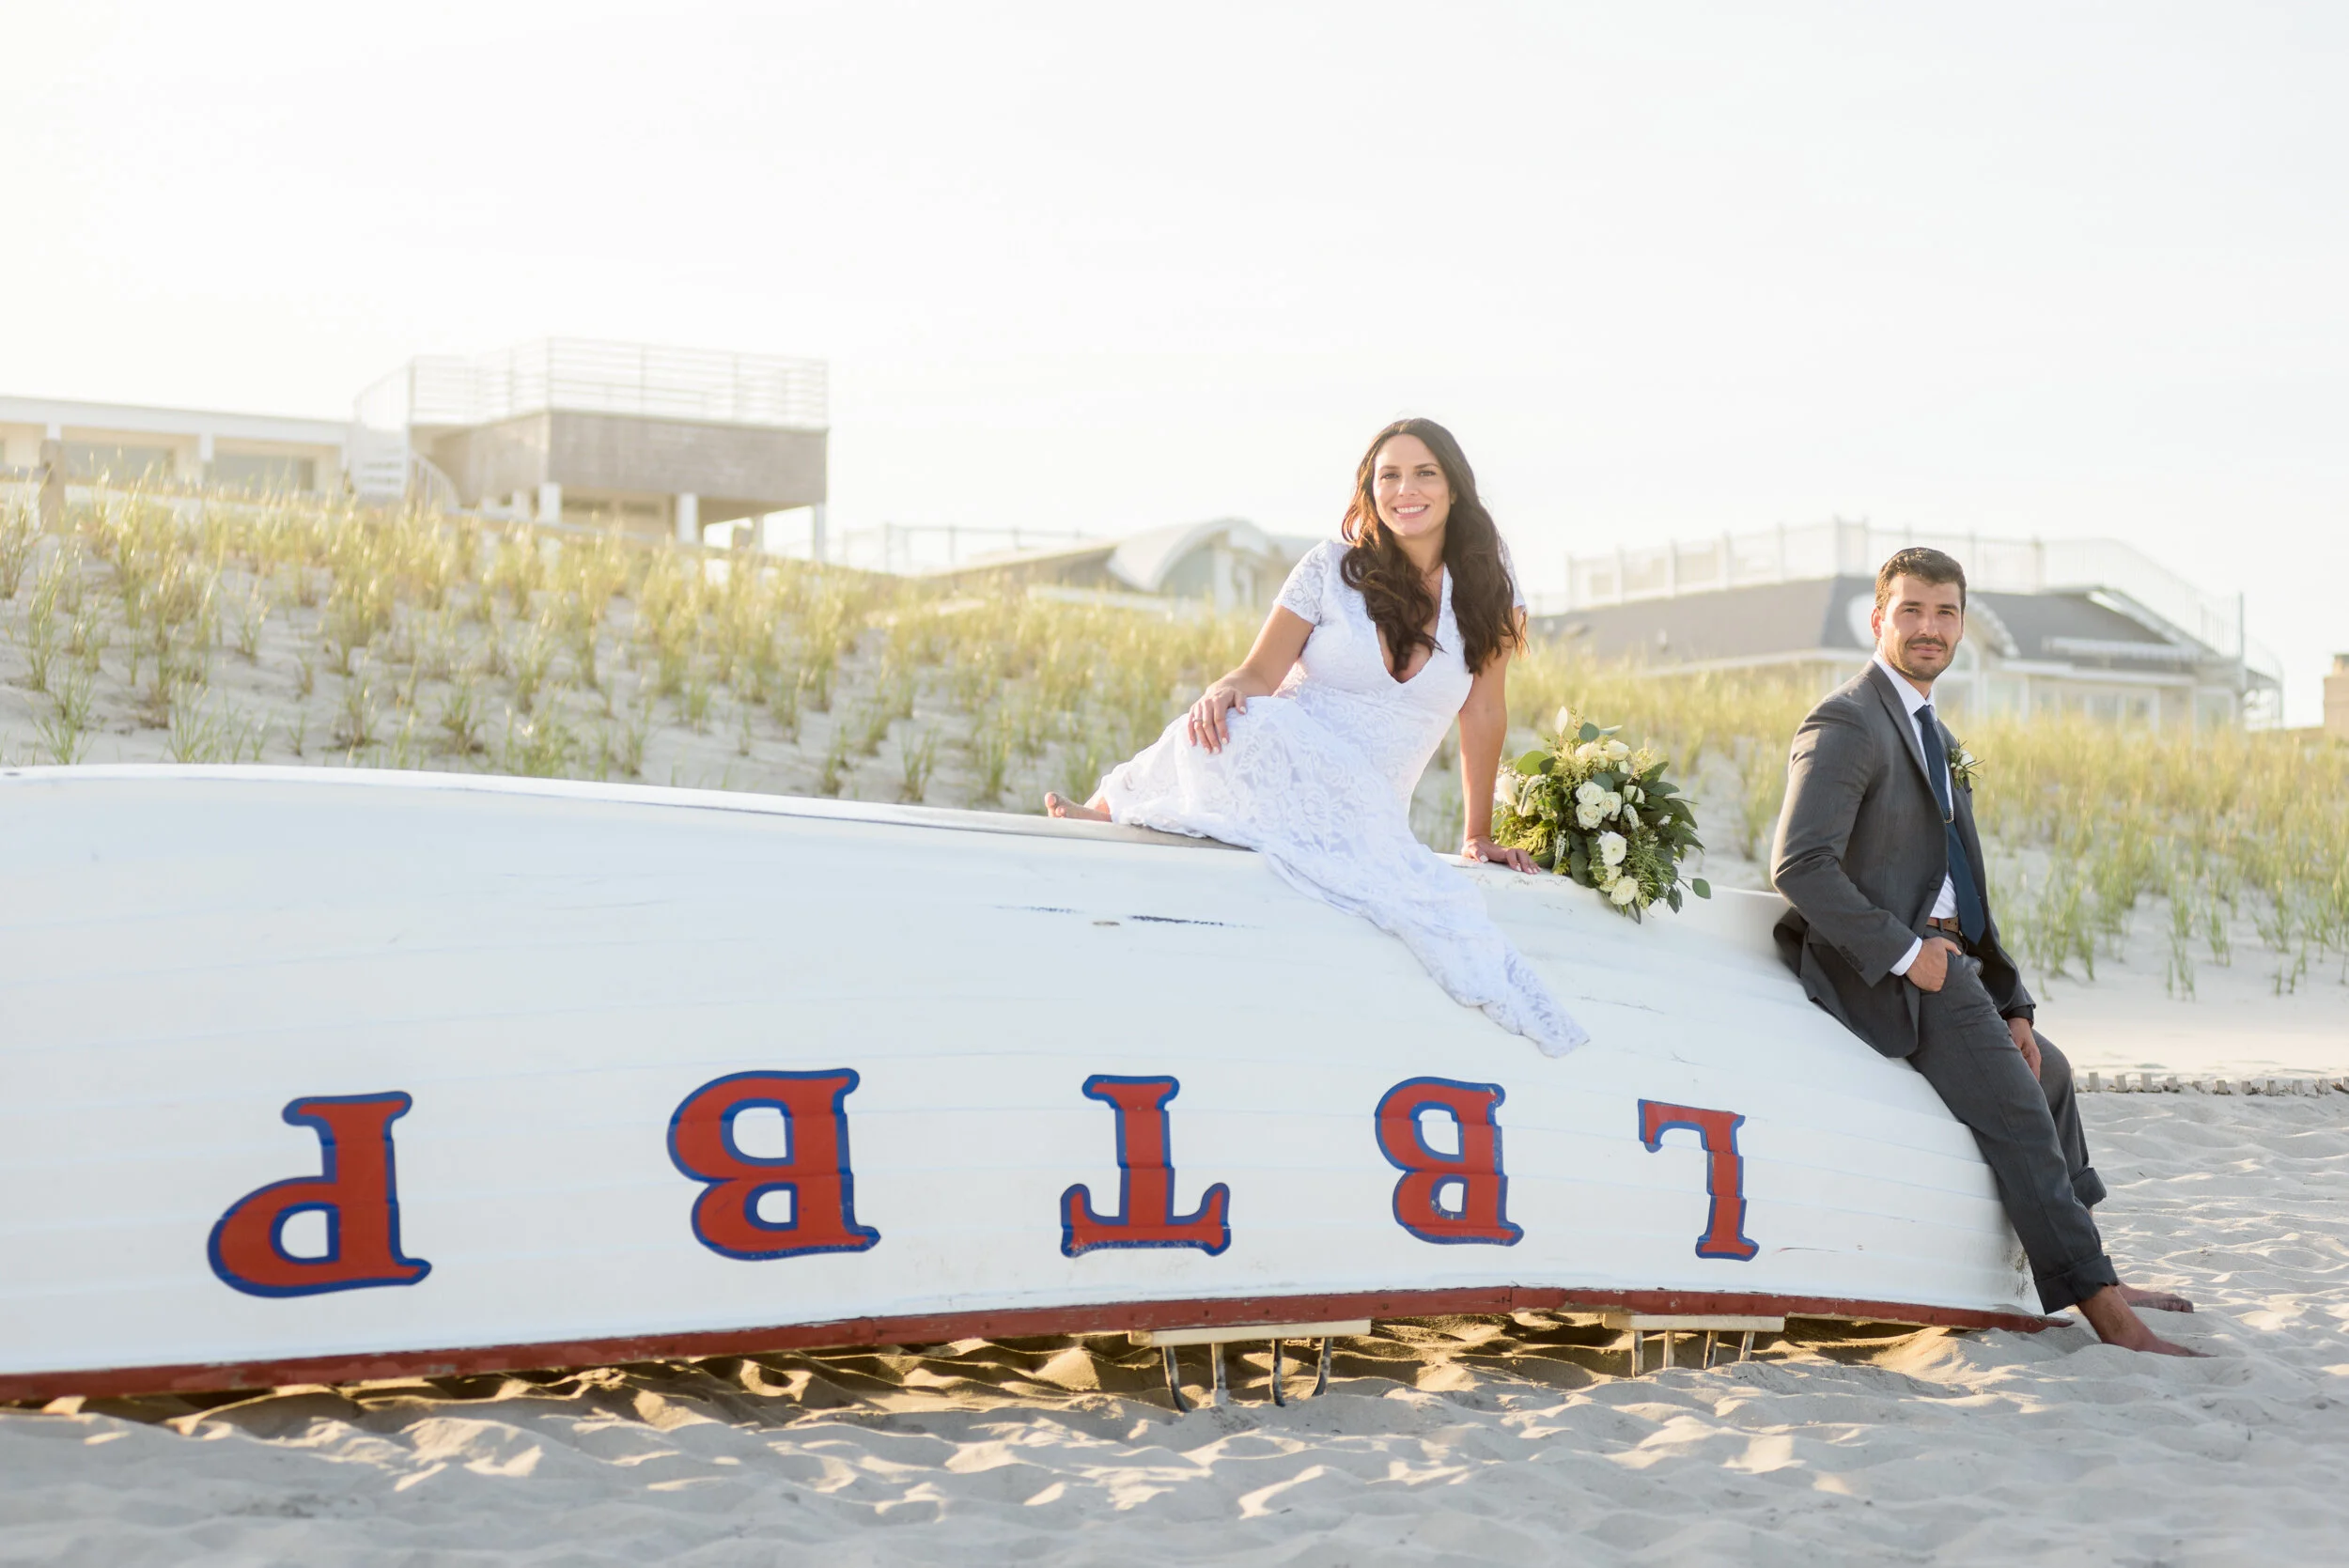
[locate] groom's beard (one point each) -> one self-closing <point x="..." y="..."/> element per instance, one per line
<point x="1926" y="664"/>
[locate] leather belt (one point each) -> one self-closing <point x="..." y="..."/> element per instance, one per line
<point x="1951" y="930"/>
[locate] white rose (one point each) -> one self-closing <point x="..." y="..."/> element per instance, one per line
<point x="1613" y="802"/>
<point x="1589" y="752"/>
<point x="1611" y="847"/>
<point x="1588" y="814"/>
<point x="1634" y="794"/>
<point x="1617" y="750"/>
<point x="1624" y="892"/>
<point x="1588" y="793"/>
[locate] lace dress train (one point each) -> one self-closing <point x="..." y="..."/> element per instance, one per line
<point x="1330" y="822"/>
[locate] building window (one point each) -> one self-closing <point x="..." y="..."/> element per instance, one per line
<point x="252" y="471"/>
<point x="85" y="459"/>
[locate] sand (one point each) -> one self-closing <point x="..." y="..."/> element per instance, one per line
<point x="1466" y="1441"/>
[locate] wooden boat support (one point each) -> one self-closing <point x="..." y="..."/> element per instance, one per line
<point x="326" y="1076"/>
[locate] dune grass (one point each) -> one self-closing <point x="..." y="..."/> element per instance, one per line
<point x="212" y="630"/>
<point x="2084" y="822"/>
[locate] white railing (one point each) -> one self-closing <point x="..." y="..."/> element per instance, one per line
<point x="909" y="549"/>
<point x="2083" y="566"/>
<point x="574" y="375"/>
<point x="580" y="375"/>
<point x="1840" y="549"/>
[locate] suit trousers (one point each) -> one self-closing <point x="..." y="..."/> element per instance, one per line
<point x="2030" y="1132"/>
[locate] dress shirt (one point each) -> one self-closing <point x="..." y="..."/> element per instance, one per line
<point x="1944" y="902"/>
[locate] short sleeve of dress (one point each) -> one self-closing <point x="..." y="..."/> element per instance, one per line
<point x="1302" y="595"/>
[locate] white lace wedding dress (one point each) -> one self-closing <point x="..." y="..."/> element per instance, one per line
<point x="1318" y="780"/>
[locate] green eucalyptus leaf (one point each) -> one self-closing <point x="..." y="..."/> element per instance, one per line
<point x="1589" y="732"/>
<point x="1533" y="763"/>
<point x="1701" y="888"/>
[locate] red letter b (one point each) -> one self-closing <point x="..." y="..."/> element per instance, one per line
<point x="815" y="1172"/>
<point x="1475" y="1172"/>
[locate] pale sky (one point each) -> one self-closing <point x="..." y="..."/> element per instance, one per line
<point x="1667" y="269"/>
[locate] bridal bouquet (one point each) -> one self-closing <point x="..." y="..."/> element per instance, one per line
<point x="1590" y="807"/>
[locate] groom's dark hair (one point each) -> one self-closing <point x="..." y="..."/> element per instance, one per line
<point x="1484" y="599"/>
<point x="1926" y="566"/>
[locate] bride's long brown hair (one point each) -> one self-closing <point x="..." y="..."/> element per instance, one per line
<point x="1483" y="600"/>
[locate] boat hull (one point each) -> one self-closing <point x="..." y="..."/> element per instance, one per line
<point x="316" y="1074"/>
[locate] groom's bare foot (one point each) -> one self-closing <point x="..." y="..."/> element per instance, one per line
<point x="1057" y="804"/>
<point x="2116" y="1323"/>
<point x="2156" y="1300"/>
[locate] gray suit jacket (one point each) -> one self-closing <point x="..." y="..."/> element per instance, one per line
<point x="1860" y="854"/>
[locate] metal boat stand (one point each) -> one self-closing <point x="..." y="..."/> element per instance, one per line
<point x="1712" y="1326"/>
<point x="1321" y="1377"/>
<point x="1217" y="1338"/>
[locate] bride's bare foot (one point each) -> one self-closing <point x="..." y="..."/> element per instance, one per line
<point x="2156" y="1300"/>
<point x="2116" y="1323"/>
<point x="1057" y="804"/>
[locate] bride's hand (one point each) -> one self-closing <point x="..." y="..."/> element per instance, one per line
<point x="1486" y="849"/>
<point x="1210" y="724"/>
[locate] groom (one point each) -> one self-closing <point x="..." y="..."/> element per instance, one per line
<point x="1891" y="932"/>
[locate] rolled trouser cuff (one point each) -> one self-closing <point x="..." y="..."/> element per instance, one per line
<point x="2074" y="1284"/>
<point x="2089" y="1187"/>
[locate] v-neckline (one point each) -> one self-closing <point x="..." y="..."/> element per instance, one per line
<point x="1443" y="600"/>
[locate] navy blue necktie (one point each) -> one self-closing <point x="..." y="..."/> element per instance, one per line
<point x="1970" y="919"/>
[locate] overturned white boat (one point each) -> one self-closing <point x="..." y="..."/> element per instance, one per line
<point x="312" y="1075"/>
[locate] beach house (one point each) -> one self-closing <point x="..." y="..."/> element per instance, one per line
<point x="660" y="441"/>
<point x="664" y="441"/>
<point x="2090" y="626"/>
<point x="170" y="447"/>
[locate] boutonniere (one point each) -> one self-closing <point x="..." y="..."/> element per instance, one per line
<point x="1964" y="765"/>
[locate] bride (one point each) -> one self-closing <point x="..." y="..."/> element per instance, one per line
<point x="1309" y="752"/>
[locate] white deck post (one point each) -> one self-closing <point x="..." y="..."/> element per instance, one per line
<point x="689" y="519"/>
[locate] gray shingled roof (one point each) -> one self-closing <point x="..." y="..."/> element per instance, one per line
<point x="2075" y="629"/>
<point x="1735" y="622"/>
<point x="1773" y="619"/>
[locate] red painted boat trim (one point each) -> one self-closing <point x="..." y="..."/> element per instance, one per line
<point x="943" y="1326"/>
